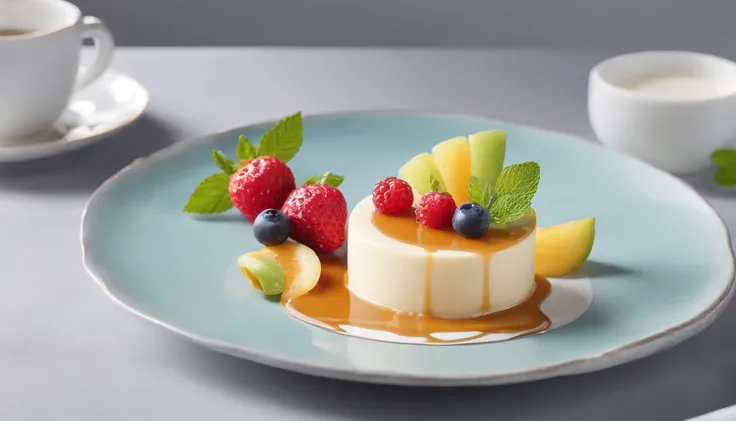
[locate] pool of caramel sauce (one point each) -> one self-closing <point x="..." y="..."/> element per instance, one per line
<point x="331" y="305"/>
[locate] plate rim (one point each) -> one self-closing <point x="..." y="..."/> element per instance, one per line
<point x="20" y="153"/>
<point x="617" y="356"/>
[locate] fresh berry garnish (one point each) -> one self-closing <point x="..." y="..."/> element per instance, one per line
<point x="271" y="227"/>
<point x="265" y="175"/>
<point x="471" y="220"/>
<point x="393" y="196"/>
<point x="263" y="183"/>
<point x="318" y="214"/>
<point x="435" y="210"/>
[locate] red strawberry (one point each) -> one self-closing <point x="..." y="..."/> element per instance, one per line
<point x="318" y="215"/>
<point x="263" y="183"/>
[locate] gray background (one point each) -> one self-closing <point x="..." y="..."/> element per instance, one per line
<point x="68" y="353"/>
<point x="703" y="25"/>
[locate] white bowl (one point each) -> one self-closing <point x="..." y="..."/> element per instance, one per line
<point x="675" y="130"/>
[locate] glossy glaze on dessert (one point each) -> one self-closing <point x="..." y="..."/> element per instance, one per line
<point x="332" y="306"/>
<point x="405" y="229"/>
<point x="396" y="263"/>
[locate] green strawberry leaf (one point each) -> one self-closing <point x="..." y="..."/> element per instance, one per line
<point x="513" y="192"/>
<point x="480" y="191"/>
<point x="333" y="180"/>
<point x="245" y="149"/>
<point x="725" y="176"/>
<point x="224" y="163"/>
<point x="283" y="140"/>
<point x="210" y="196"/>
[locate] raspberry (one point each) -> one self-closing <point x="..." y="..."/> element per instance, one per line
<point x="393" y="196"/>
<point x="435" y="210"/>
<point x="264" y="183"/>
<point x="318" y="215"/>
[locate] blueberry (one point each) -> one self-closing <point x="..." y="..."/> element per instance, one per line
<point x="471" y="220"/>
<point x="271" y="227"/>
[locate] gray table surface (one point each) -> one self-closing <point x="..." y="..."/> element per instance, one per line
<point x="68" y="353"/>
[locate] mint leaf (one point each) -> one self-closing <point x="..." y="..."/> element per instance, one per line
<point x="724" y="157"/>
<point x="210" y="196"/>
<point x="434" y="184"/>
<point x="725" y="176"/>
<point x="224" y="163"/>
<point x="514" y="190"/>
<point x="245" y="149"/>
<point x="266" y="269"/>
<point x="284" y="139"/>
<point x="480" y="191"/>
<point x="327" y="178"/>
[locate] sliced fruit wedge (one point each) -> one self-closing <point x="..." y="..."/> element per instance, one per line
<point x="264" y="272"/>
<point x="560" y="249"/>
<point x="487" y="153"/>
<point x="290" y="269"/>
<point x="419" y="171"/>
<point x="452" y="158"/>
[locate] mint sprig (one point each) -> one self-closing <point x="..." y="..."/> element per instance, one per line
<point x="333" y="180"/>
<point x="725" y="176"/>
<point x="480" y="191"/>
<point x="435" y="185"/>
<point x="725" y="160"/>
<point x="210" y="196"/>
<point x="513" y="193"/>
<point x="281" y="141"/>
<point x="510" y="197"/>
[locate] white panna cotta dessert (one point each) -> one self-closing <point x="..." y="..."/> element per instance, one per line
<point x="396" y="263"/>
<point x="448" y="252"/>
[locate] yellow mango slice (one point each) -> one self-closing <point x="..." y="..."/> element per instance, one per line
<point x="560" y="249"/>
<point x="452" y="158"/>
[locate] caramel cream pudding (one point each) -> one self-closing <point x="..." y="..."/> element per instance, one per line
<point x="446" y="253"/>
<point x="396" y="263"/>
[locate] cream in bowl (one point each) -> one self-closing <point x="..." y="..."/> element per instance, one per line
<point x="668" y="108"/>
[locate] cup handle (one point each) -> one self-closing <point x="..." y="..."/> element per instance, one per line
<point x="104" y="44"/>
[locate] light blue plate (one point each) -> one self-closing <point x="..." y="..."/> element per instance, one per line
<point x="662" y="266"/>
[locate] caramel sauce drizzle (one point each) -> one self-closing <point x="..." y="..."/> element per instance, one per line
<point x="331" y="305"/>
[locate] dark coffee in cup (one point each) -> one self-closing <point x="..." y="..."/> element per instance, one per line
<point x="12" y="32"/>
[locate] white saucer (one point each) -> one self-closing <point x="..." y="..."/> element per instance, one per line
<point x="112" y="102"/>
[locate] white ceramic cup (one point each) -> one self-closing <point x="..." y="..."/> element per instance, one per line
<point x="675" y="131"/>
<point x="39" y="70"/>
